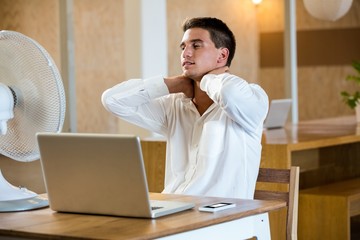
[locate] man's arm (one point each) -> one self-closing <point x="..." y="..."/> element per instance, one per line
<point x="137" y="100"/>
<point x="245" y="103"/>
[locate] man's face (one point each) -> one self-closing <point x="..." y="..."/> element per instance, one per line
<point x="199" y="54"/>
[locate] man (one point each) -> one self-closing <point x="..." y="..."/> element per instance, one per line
<point x="212" y="120"/>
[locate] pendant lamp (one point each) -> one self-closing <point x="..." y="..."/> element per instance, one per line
<point x="330" y="10"/>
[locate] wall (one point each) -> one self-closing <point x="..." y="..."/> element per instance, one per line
<point x="36" y="19"/>
<point x="319" y="81"/>
<point x="99" y="60"/>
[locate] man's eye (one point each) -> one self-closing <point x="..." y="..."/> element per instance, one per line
<point x="196" y="46"/>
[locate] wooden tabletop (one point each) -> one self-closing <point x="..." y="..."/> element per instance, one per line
<point x="316" y="133"/>
<point x="45" y="223"/>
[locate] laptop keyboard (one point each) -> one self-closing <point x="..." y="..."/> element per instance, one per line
<point x="155" y="208"/>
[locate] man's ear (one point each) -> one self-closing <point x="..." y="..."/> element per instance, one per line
<point x="223" y="55"/>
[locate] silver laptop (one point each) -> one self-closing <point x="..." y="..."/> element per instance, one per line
<point x="99" y="174"/>
<point x="278" y="113"/>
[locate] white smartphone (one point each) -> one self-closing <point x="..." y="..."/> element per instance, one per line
<point x="216" y="207"/>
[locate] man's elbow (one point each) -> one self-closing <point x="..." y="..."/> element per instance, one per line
<point x="105" y="99"/>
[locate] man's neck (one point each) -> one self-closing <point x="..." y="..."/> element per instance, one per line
<point x="201" y="100"/>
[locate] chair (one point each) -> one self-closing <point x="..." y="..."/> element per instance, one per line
<point x="288" y="177"/>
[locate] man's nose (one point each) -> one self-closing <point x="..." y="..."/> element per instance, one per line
<point x="186" y="52"/>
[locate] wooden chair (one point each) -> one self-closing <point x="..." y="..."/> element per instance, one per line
<point x="289" y="177"/>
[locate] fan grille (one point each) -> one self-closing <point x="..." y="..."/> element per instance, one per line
<point x="30" y="72"/>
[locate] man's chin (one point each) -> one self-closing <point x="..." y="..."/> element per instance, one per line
<point x="195" y="77"/>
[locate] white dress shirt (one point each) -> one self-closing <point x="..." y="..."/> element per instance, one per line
<point x="214" y="154"/>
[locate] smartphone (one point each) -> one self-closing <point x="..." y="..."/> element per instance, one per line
<point x="216" y="207"/>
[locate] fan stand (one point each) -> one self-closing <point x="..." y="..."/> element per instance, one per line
<point x="14" y="199"/>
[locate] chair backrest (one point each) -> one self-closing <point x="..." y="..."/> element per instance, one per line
<point x="289" y="193"/>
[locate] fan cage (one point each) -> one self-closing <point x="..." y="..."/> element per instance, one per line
<point x="29" y="71"/>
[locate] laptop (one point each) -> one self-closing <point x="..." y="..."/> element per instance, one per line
<point x="278" y="113"/>
<point x="99" y="174"/>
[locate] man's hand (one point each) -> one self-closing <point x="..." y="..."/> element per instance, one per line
<point x="180" y="83"/>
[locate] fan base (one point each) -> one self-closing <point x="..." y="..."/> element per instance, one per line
<point x="13" y="199"/>
<point x="23" y="204"/>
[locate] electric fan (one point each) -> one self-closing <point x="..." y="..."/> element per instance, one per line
<point x="32" y="99"/>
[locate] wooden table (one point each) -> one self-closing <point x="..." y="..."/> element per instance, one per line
<point x="327" y="150"/>
<point x="247" y="218"/>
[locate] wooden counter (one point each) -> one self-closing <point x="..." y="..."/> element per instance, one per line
<point x="326" y="150"/>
